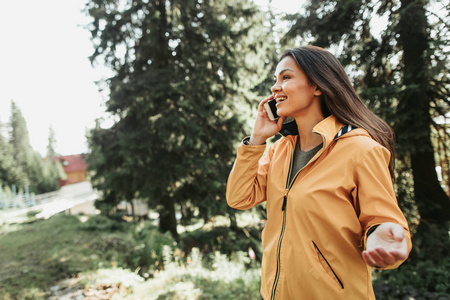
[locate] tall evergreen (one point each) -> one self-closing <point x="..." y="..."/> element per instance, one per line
<point x="29" y="167"/>
<point x="403" y="75"/>
<point x="183" y="71"/>
<point x="22" y="151"/>
<point x="8" y="170"/>
<point x="52" y="168"/>
<point x="416" y="113"/>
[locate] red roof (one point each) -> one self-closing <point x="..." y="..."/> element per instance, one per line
<point x="73" y="163"/>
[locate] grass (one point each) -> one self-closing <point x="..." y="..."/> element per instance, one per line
<point x="41" y="253"/>
<point x="63" y="256"/>
<point x="226" y="278"/>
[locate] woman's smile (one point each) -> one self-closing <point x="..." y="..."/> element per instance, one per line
<point x="280" y="99"/>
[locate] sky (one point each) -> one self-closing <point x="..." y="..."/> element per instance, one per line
<point x="45" y="70"/>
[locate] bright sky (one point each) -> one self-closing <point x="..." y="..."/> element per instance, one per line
<point x="44" y="69"/>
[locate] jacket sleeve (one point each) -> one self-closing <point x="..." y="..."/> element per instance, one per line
<point x="375" y="196"/>
<point x="246" y="186"/>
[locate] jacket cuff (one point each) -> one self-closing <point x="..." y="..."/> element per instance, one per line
<point x="363" y="243"/>
<point x="246" y="141"/>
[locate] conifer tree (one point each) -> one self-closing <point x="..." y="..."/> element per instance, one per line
<point x="29" y="167"/>
<point x="8" y="170"/>
<point x="22" y="151"/>
<point x="52" y="168"/>
<point x="184" y="69"/>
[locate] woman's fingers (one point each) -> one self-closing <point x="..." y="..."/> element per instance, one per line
<point x="386" y="257"/>
<point x="368" y="259"/>
<point x="381" y="258"/>
<point x="375" y="259"/>
<point x="261" y="104"/>
<point x="280" y="121"/>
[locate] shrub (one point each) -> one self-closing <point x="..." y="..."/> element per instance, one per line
<point x="217" y="277"/>
<point x="149" y="250"/>
<point x="102" y="223"/>
<point x="223" y="239"/>
<point x="425" y="280"/>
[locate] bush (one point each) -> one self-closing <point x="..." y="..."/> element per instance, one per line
<point x="149" y="251"/>
<point x="426" y="280"/>
<point x="217" y="277"/>
<point x="102" y="223"/>
<point x="224" y="240"/>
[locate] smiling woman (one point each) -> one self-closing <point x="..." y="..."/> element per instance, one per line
<point x="331" y="207"/>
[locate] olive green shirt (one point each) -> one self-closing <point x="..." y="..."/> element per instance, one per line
<point x="301" y="158"/>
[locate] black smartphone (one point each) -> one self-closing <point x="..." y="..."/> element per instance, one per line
<point x="271" y="108"/>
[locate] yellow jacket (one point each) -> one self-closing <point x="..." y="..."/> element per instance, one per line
<point x="315" y="230"/>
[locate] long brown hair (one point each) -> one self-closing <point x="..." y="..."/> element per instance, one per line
<point x="339" y="98"/>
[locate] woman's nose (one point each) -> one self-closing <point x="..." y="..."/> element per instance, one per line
<point x="276" y="87"/>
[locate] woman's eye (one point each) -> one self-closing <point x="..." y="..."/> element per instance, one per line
<point x="286" y="77"/>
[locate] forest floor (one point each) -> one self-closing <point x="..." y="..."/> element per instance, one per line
<point x="93" y="257"/>
<point x="65" y="257"/>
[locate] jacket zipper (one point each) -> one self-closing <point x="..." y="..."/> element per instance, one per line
<point x="277" y="276"/>
<point x="283" y="209"/>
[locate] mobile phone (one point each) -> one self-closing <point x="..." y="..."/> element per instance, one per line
<point x="271" y="108"/>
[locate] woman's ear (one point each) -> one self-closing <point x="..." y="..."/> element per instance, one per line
<point x="317" y="92"/>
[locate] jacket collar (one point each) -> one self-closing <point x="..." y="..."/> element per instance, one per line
<point x="329" y="128"/>
<point x="289" y="127"/>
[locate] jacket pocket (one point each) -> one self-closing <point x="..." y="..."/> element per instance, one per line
<point x="326" y="267"/>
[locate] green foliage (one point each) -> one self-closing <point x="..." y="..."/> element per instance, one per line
<point x="404" y="189"/>
<point x="222" y="239"/>
<point x="8" y="171"/>
<point x="44" y="254"/>
<point x="428" y="279"/>
<point x="102" y="223"/>
<point x="20" y="165"/>
<point x="41" y="253"/>
<point x="149" y="254"/>
<point x="220" y="277"/>
<point x="22" y="151"/>
<point x="184" y="70"/>
<point x="231" y="279"/>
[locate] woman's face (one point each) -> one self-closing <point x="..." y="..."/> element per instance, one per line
<point x="294" y="94"/>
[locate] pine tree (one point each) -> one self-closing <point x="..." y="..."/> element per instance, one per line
<point x="52" y="168"/>
<point x="8" y="169"/>
<point x="22" y="151"/>
<point x="186" y="70"/>
<point x="29" y="167"/>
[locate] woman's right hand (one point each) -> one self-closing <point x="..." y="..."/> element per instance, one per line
<point x="264" y="127"/>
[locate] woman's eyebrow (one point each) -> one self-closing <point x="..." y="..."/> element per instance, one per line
<point x="282" y="71"/>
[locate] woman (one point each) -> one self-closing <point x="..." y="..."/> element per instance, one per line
<point x="331" y="208"/>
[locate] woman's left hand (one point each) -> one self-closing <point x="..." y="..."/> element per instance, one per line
<point x="386" y="246"/>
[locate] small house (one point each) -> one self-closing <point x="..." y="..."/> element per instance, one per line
<point x="75" y="168"/>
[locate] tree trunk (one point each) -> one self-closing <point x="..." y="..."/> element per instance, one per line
<point x="413" y="129"/>
<point x="232" y="216"/>
<point x="133" y="213"/>
<point x="167" y="218"/>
